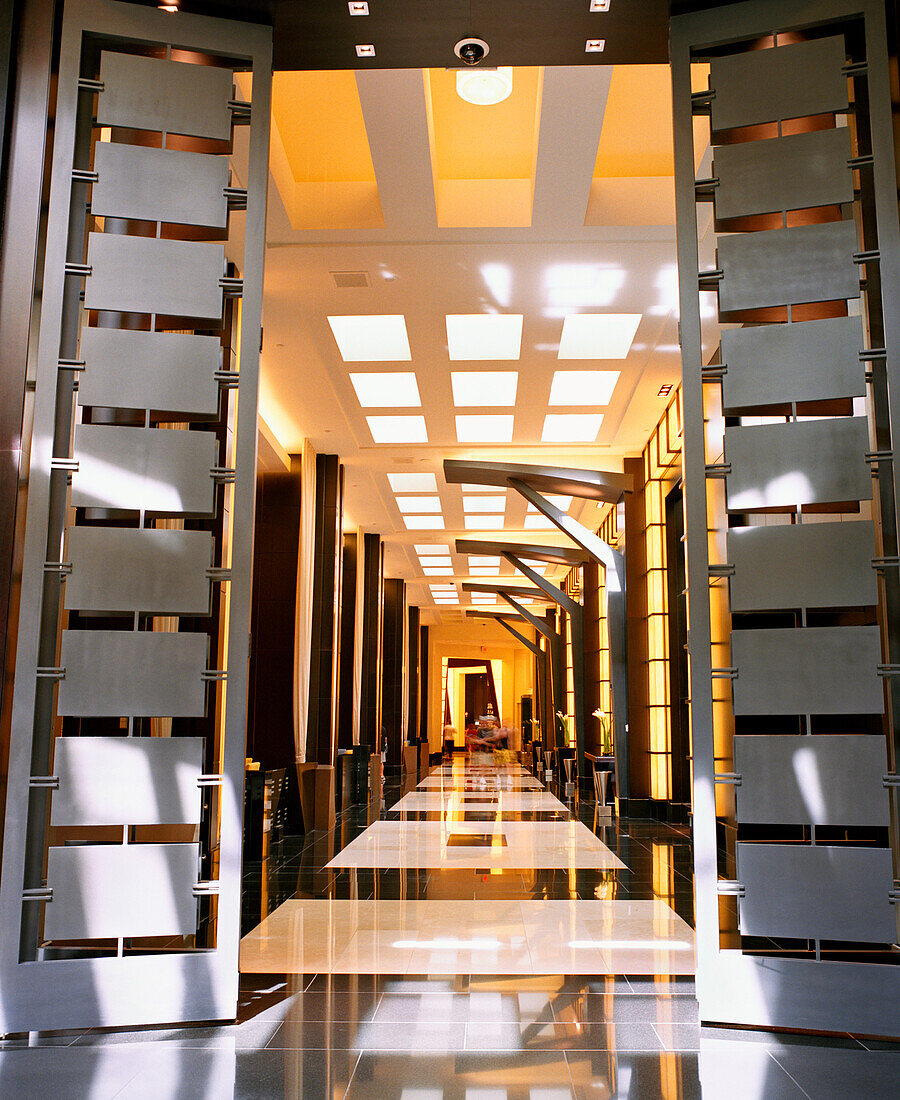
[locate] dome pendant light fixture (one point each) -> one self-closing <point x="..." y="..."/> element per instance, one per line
<point x="483" y="87"/>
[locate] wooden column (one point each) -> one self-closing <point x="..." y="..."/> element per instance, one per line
<point x="392" y="669"/>
<point x="321" y="738"/>
<point x="412" y="721"/>
<point x="423" y="682"/>
<point x="347" y="641"/>
<point x="270" y="725"/>
<point x="373" y="608"/>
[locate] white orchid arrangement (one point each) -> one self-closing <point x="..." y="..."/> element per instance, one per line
<point x="606" y="731"/>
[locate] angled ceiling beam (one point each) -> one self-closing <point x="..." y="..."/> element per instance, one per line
<point x="490" y="613"/>
<point x="551" y="590"/>
<point x="576" y="622"/>
<point x="557" y="667"/>
<point x="555" y="555"/>
<point x="507" y="625"/>
<point x="589" y="484"/>
<point x="599" y="550"/>
<point x="500" y="589"/>
<point x="614" y="564"/>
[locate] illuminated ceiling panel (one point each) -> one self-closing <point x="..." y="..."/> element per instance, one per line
<point x="371" y="338"/>
<point x="598" y="335"/>
<point x="413" y="483"/>
<point x="484" y="429"/>
<point x="571" y="427"/>
<point x="484" y="387"/>
<point x="484" y="335"/>
<point x="483" y="158"/>
<point x="386" y="390"/>
<point x="424" y="523"/>
<point x="583" y="387"/>
<point x="484" y="504"/>
<point x="398" y="429"/>
<point x="411" y="505"/>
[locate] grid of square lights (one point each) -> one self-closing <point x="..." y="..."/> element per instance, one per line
<point x="485" y="428"/>
<point x="484" y="566"/>
<point x="444" y="593"/>
<point x="434" y="561"/>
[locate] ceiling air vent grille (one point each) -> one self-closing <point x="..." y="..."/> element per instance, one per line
<point x="346" y="279"/>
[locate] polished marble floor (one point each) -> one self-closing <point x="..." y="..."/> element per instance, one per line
<point x="308" y="1031"/>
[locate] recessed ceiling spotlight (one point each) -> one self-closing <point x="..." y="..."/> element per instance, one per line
<point x="367" y="50"/>
<point x="362" y="8"/>
<point x="596" y="5"/>
<point x="168" y="7"/>
<point x="593" y="45"/>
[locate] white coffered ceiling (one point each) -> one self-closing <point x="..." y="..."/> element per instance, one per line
<point x="420" y="273"/>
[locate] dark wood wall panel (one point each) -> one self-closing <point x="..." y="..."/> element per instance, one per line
<point x="373" y="606"/>
<point x="347" y="641"/>
<point x="412" y="723"/>
<point x="270" y="731"/>
<point x="321" y="736"/>
<point x="392" y="669"/>
<point x="423" y="682"/>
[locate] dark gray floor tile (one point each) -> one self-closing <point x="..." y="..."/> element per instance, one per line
<point x="825" y="1073"/>
<point x="516" y="1075"/>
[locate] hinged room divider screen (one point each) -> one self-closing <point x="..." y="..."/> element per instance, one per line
<point x="791" y="504"/>
<point x="120" y="899"/>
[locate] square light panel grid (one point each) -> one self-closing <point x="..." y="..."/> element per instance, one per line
<point x="497" y="388"/>
<point x="598" y="335"/>
<point x="583" y="387"/>
<point x="398" y="429"/>
<point x="432" y="548"/>
<point x="485" y="429"/>
<point x="371" y="338"/>
<point x="480" y="336"/>
<point x="389" y="390"/>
